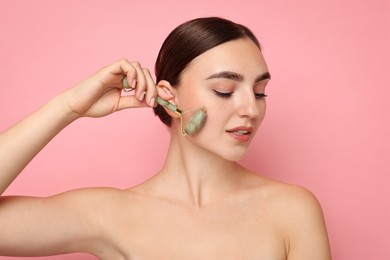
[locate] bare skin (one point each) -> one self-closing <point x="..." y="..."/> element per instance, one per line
<point x="201" y="205"/>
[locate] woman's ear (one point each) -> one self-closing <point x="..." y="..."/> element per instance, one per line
<point x="166" y="92"/>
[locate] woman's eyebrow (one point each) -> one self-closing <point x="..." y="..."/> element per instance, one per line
<point x="227" y="75"/>
<point x="264" y="76"/>
<point x="237" y="76"/>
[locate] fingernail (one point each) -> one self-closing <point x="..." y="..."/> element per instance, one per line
<point x="133" y="84"/>
<point x="152" y="102"/>
<point x="142" y="95"/>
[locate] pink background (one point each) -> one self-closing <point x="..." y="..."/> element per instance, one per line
<point x="327" y="126"/>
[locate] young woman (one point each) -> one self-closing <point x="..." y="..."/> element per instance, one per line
<point x="202" y="204"/>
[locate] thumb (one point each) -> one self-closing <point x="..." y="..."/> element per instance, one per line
<point x="130" y="102"/>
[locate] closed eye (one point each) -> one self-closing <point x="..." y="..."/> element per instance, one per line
<point x="229" y="94"/>
<point x="223" y="94"/>
<point x="260" y="95"/>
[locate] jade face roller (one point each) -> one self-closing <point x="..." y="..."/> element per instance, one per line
<point x="195" y="118"/>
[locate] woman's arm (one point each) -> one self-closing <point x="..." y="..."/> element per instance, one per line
<point x="96" y="96"/>
<point x="20" y="143"/>
<point x="71" y="221"/>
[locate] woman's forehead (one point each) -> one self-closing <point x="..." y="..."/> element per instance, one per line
<point x="241" y="56"/>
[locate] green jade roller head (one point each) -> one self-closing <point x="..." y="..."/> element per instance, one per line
<point x="195" y="118"/>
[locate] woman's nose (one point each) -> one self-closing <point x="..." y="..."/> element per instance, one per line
<point x="249" y="106"/>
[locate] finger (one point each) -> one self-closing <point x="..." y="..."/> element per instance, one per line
<point x="128" y="83"/>
<point x="119" y="74"/>
<point x="140" y="81"/>
<point x="118" y="69"/>
<point x="151" y="91"/>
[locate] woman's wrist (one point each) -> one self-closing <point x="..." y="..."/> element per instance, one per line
<point x="61" y="111"/>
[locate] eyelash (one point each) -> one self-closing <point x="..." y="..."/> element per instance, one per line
<point x="228" y="94"/>
<point x="260" y="95"/>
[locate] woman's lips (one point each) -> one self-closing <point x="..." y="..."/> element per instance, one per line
<point x="241" y="133"/>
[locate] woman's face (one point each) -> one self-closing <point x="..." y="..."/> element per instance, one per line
<point x="229" y="80"/>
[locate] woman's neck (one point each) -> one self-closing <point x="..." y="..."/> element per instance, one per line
<point x="196" y="175"/>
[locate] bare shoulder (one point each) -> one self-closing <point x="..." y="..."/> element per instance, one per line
<point x="286" y="197"/>
<point x="293" y="198"/>
<point x="300" y="217"/>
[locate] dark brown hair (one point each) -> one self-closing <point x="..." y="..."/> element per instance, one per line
<point x="189" y="40"/>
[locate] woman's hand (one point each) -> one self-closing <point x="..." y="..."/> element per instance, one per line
<point x="101" y="93"/>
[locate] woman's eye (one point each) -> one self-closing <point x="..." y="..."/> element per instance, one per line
<point x="229" y="94"/>
<point x="260" y="95"/>
<point x="223" y="94"/>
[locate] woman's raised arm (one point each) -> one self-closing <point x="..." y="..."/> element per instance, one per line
<point x="96" y="96"/>
<point x="45" y="226"/>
